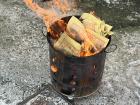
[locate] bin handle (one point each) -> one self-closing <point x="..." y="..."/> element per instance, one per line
<point x="111" y="48"/>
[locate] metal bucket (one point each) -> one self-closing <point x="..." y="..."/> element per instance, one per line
<point x="76" y="76"/>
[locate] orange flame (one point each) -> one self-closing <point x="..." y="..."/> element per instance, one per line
<point x="62" y="5"/>
<point x="50" y="16"/>
<point x="53" y="21"/>
<point x="54" y="68"/>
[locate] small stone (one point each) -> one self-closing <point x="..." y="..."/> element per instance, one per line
<point x="8" y="101"/>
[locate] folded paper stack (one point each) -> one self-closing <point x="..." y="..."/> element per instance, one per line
<point x="85" y="36"/>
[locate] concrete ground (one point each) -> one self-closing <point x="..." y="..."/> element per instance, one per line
<point x="24" y="62"/>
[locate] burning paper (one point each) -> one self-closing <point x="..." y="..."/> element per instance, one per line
<point x="77" y="31"/>
<point x="90" y="33"/>
<point x="95" y="24"/>
<point x="67" y="45"/>
<point x="79" y="37"/>
<point x="52" y="14"/>
<point x="99" y="41"/>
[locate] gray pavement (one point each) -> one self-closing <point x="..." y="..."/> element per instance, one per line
<point x="24" y="61"/>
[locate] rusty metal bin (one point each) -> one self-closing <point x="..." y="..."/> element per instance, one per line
<point x="76" y="76"/>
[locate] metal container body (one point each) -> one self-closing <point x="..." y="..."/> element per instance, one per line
<point x="76" y="76"/>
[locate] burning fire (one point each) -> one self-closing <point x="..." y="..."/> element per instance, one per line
<point x="54" y="68"/>
<point x="51" y="16"/>
<point x="86" y="35"/>
<point x="63" y="6"/>
<point x="52" y="19"/>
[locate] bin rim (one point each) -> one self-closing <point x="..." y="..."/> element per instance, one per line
<point x="103" y="50"/>
<point x="75" y="57"/>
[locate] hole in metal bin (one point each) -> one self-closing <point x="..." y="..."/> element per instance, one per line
<point x="66" y="91"/>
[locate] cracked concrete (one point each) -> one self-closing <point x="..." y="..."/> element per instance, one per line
<point x="24" y="60"/>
